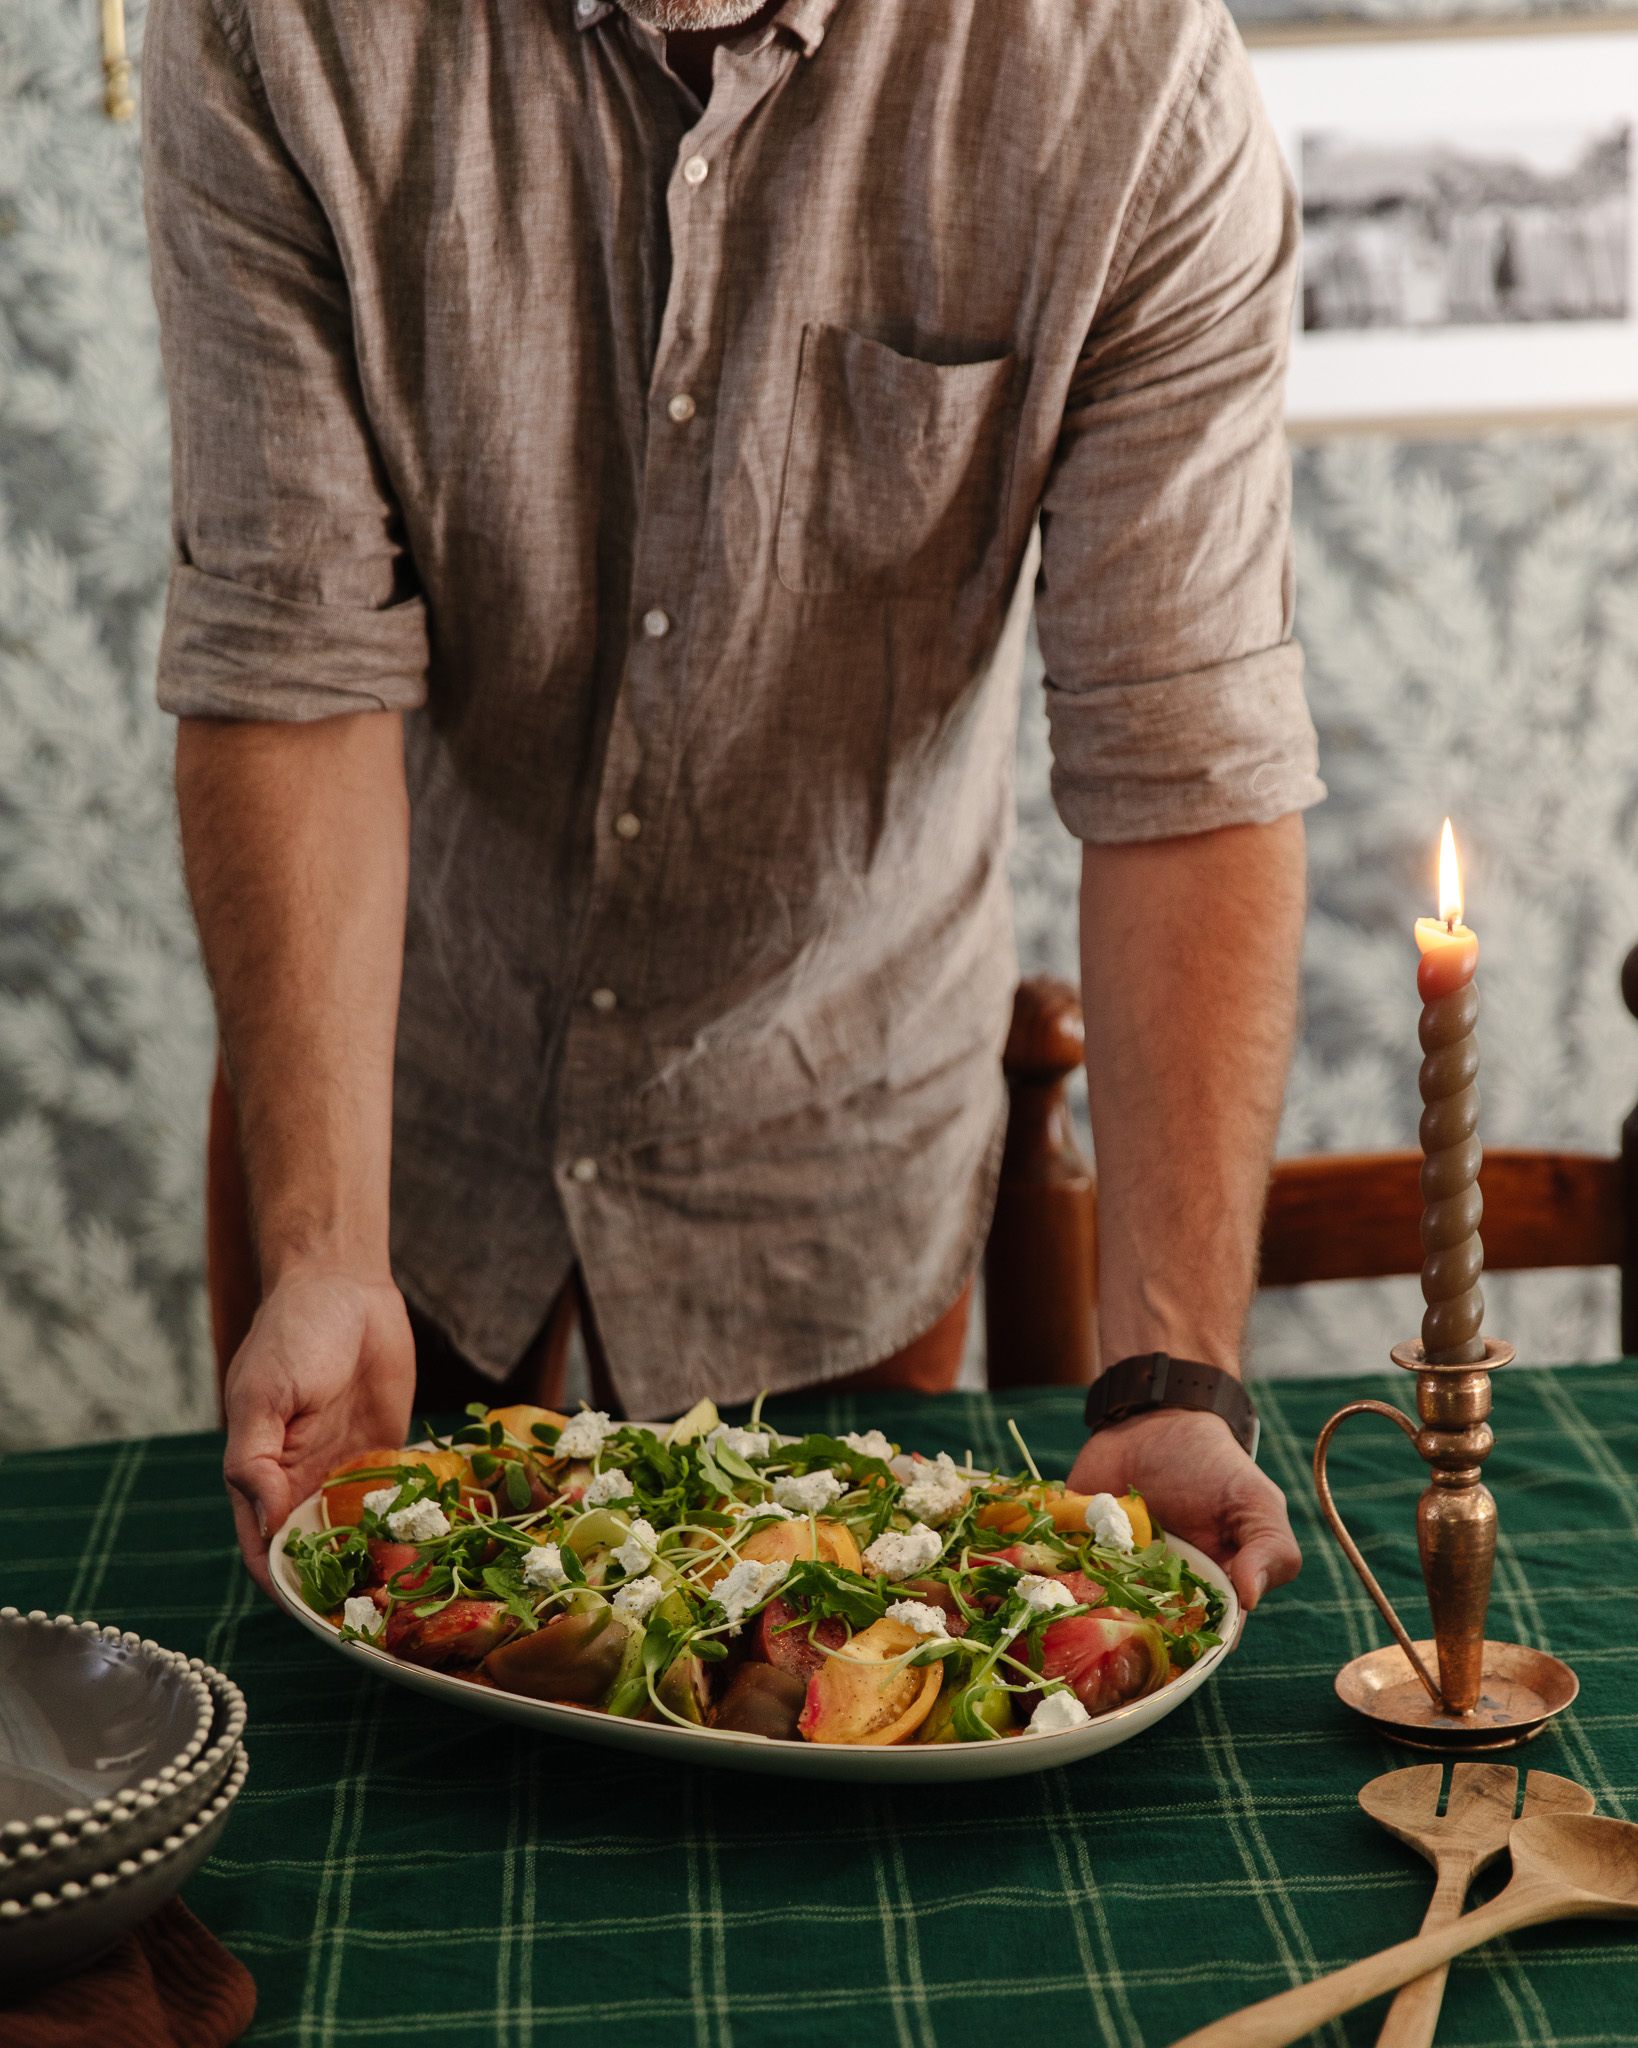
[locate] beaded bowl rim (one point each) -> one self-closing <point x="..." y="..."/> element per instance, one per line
<point x="190" y="1670"/>
<point x="107" y="1829"/>
<point x="102" y="1882"/>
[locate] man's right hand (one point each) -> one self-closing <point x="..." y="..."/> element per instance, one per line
<point x="296" y="838"/>
<point x="327" y="1371"/>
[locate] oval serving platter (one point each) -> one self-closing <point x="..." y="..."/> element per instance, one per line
<point x="661" y="1742"/>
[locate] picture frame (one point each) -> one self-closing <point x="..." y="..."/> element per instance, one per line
<point x="1470" y="211"/>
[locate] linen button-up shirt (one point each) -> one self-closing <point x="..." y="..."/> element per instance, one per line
<point x="675" y="469"/>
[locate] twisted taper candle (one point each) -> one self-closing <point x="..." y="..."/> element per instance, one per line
<point x="1452" y="1152"/>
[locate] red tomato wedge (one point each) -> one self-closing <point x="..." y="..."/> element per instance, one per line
<point x="1108" y="1657"/>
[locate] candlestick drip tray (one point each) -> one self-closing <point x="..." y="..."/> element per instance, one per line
<point x="1521" y="1691"/>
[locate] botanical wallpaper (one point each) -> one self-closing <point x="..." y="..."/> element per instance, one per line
<point x="1470" y="612"/>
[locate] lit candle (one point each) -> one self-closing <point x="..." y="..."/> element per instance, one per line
<point x="1452" y="1204"/>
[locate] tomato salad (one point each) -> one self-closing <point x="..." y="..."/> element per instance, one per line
<point x="818" y="1589"/>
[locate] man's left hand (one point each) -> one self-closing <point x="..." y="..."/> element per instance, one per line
<point x="1199" y="1485"/>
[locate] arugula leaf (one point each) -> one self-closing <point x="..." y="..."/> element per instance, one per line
<point x="1192" y="1644"/>
<point x="517" y="1486"/>
<point x="663" y="1642"/>
<point x="831" y="1590"/>
<point x="716" y="1480"/>
<point x="818" y="1449"/>
<point x="1128" y="1596"/>
<point x="992" y="1581"/>
<point x="502" y="1581"/>
<point x="328" y="1569"/>
<point x="655" y="1471"/>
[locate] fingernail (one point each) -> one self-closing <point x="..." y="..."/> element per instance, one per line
<point x="1259" y="1585"/>
<point x="261" y="1520"/>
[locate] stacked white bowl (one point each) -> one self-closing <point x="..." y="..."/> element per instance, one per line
<point x="119" y="1762"/>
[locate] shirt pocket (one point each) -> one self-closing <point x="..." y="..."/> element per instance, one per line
<point x="895" y="474"/>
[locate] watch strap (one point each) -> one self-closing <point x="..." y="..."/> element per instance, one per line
<point x="1154" y="1379"/>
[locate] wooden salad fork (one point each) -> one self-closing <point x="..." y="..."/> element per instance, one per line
<point x="1460" y="1842"/>
<point x="1566" y="1866"/>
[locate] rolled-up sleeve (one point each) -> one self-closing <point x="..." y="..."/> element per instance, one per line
<point x="1174" y="688"/>
<point x="293" y="596"/>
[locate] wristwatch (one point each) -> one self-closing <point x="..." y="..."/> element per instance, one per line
<point x="1155" y="1379"/>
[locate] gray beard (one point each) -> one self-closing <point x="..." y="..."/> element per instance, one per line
<point x="677" y="17"/>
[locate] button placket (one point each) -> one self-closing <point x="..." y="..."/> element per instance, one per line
<point x="604" y="1066"/>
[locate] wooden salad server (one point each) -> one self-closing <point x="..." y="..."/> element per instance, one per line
<point x="1566" y="1866"/>
<point x="1465" y="1839"/>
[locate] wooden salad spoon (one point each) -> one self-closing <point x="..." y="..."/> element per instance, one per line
<point x="1460" y="1842"/>
<point x="1566" y="1866"/>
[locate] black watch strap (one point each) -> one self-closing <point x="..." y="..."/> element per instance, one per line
<point x="1155" y="1379"/>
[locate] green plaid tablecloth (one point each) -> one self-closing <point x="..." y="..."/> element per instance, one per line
<point x="396" y="1872"/>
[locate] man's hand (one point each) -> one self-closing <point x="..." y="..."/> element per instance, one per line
<point x="296" y="839"/>
<point x="327" y="1371"/>
<point x="1201" y="1486"/>
<point x="1189" y="983"/>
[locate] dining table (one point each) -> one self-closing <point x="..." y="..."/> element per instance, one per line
<point x="398" y="1870"/>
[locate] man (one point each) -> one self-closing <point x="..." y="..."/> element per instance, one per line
<point x="609" y="440"/>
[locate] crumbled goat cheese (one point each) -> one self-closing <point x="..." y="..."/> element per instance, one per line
<point x="605" y="1487"/>
<point x="745" y="1585"/>
<point x="936" y="1492"/>
<point x="360" y="1612"/>
<point x="544" y="1566"/>
<point x="419" y="1522"/>
<point x="383" y="1497"/>
<point x="810" y="1493"/>
<point x="764" y="1511"/>
<point x="917" y="1614"/>
<point x="868" y="1443"/>
<point x="1057" y="1714"/>
<point x="583" y="1434"/>
<point x="1110" y="1524"/>
<point x="636" y="1554"/>
<point x="1041" y="1595"/>
<point x="901" y="1553"/>
<point x="744" y="1443"/>
<point x="637" y="1596"/>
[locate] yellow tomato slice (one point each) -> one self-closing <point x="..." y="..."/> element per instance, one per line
<point x="852" y="1699"/>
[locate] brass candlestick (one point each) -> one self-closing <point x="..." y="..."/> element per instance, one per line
<point x="1487" y="1695"/>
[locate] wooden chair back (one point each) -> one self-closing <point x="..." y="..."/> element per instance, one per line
<point x="1343" y="1216"/>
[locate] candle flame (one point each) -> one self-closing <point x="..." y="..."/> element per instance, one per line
<point x="1450" y="880"/>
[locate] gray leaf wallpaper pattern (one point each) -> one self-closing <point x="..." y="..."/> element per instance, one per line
<point x="105" y="1026"/>
<point x="1471" y="617"/>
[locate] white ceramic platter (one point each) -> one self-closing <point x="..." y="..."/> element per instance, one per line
<point x="661" y="1742"/>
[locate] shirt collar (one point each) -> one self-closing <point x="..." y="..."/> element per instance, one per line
<point x="805" y="19"/>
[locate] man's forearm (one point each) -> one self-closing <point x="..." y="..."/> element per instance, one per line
<point x="1189" y="955"/>
<point x="296" y="843"/>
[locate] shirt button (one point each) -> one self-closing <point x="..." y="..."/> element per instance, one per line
<point x="583" y="1170"/>
<point x="585" y="7"/>
<point x="682" y="408"/>
<point x="696" y="171"/>
<point x="603" y="999"/>
<point x="628" y="824"/>
<point x="655" y="624"/>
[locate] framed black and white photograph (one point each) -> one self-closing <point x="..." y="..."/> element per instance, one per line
<point x="1468" y="221"/>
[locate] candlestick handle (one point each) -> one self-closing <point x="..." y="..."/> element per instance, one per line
<point x="1350" y="1549"/>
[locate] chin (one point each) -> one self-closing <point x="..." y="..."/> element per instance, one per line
<point x="677" y="17"/>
